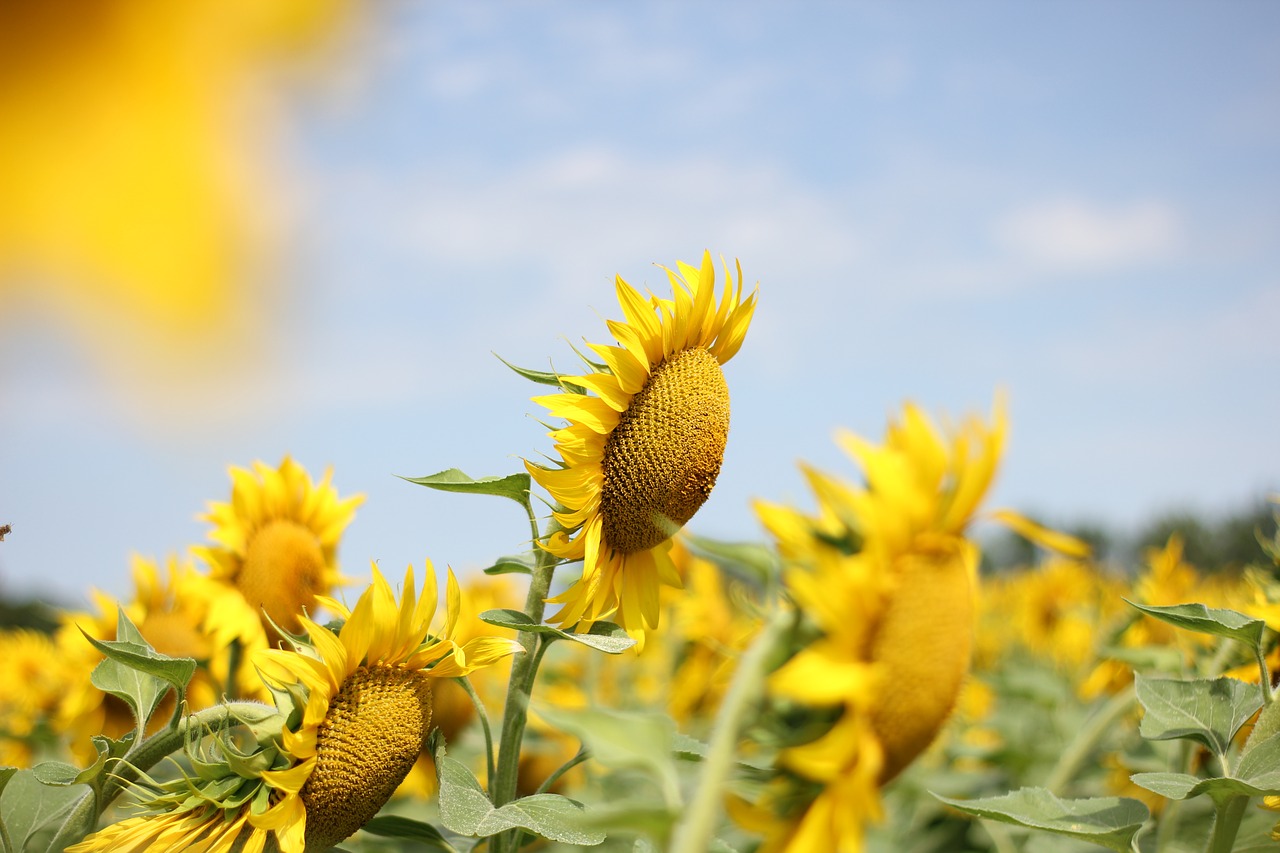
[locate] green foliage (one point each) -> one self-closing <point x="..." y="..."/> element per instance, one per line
<point x="513" y="486"/>
<point x="465" y="808"/>
<point x="1110" y="822"/>
<point x="602" y="636"/>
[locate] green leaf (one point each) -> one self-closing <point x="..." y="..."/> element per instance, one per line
<point x="32" y="813"/>
<point x="543" y="377"/>
<point x="623" y="740"/>
<point x="1209" y="620"/>
<point x="511" y="564"/>
<point x="466" y="809"/>
<point x="1110" y="822"/>
<point x="513" y="486"/>
<point x="131" y="649"/>
<point x="397" y="826"/>
<point x="689" y="749"/>
<point x="601" y="636"/>
<point x="1258" y="775"/>
<point x="757" y="562"/>
<point x="1209" y="711"/>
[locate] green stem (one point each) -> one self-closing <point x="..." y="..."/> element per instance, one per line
<point x="523" y="669"/>
<point x="1227" y="824"/>
<point x="582" y="756"/>
<point x="484" y="723"/>
<point x="694" y="832"/>
<point x="152" y="750"/>
<point x="1078" y="751"/>
<point x="1265" y="683"/>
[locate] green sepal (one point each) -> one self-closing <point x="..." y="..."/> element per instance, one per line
<point x="544" y="377"/>
<point x="513" y="486"/>
<point x="1209" y="620"/>
<point x="1110" y="822"/>
<point x="466" y="809"/>
<point x="512" y="564"/>
<point x="601" y="636"/>
<point x="1208" y="711"/>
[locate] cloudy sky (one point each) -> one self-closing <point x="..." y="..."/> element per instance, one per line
<point x="1077" y="203"/>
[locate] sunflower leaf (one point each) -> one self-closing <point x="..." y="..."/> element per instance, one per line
<point x="1110" y="822"/>
<point x="398" y="826"/>
<point x="601" y="636"/>
<point x="466" y="809"/>
<point x="135" y="672"/>
<point x="33" y="813"/>
<point x="513" y="486"/>
<point x="1209" y="711"/>
<point x="511" y="564"/>
<point x="623" y="740"/>
<point x="1209" y="620"/>
<point x="1257" y="775"/>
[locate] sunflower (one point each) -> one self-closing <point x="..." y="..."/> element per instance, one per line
<point x="355" y="709"/>
<point x="276" y="550"/>
<point x="644" y="445"/>
<point x="885" y="573"/>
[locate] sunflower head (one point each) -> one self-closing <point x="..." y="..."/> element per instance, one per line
<point x="884" y="573"/>
<point x="277" y="543"/>
<point x="354" y="710"/>
<point x="644" y="443"/>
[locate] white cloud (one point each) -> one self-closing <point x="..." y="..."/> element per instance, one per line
<point x="1074" y="233"/>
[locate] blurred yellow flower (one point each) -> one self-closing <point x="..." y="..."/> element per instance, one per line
<point x="277" y="542"/>
<point x="35" y="678"/>
<point x="136" y="200"/>
<point x="886" y="574"/>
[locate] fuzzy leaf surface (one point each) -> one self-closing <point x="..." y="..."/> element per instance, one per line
<point x="1209" y="711"/>
<point x="1110" y="822"/>
<point x="466" y="809"/>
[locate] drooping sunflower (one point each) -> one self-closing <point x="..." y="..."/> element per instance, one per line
<point x="277" y="541"/>
<point x="645" y="442"/>
<point x="885" y="572"/>
<point x="355" y="708"/>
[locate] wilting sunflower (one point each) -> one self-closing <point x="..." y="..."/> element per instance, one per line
<point x="885" y="573"/>
<point x="645" y="441"/>
<point x="277" y="542"/>
<point x="355" y="708"/>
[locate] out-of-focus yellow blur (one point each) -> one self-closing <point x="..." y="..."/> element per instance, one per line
<point x="135" y="203"/>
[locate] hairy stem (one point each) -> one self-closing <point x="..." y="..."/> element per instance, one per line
<point x="694" y="832"/>
<point x="1226" y="824"/>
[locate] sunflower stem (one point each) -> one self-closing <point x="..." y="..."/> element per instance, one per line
<point x="694" y="832"/>
<point x="484" y="723"/>
<point x="523" y="669"/>
<point x="1095" y="728"/>
<point x="1226" y="824"/>
<point x="581" y="756"/>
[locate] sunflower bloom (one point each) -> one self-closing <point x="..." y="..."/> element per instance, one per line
<point x="355" y="709"/>
<point x="644" y="445"/>
<point x="886" y="574"/>
<point x="276" y="550"/>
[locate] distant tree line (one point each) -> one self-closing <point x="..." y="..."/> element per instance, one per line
<point x="1225" y="542"/>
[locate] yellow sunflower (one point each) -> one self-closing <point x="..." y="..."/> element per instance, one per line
<point x="277" y="542"/>
<point x="36" y="678"/>
<point x="356" y="707"/>
<point x="886" y="574"/>
<point x="645" y="441"/>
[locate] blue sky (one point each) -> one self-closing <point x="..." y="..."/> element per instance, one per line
<point x="1078" y="203"/>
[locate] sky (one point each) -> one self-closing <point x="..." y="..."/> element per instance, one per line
<point x="1074" y="204"/>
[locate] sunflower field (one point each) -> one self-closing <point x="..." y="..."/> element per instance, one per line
<point x="848" y="680"/>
